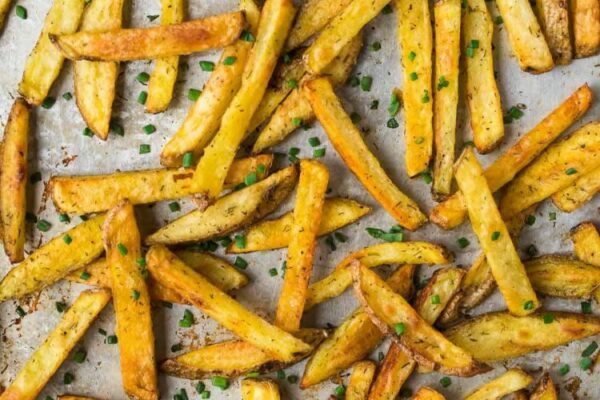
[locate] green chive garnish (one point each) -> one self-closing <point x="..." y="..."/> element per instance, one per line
<point x="229" y="60"/>
<point x="142" y="77"/>
<point x="314" y="141"/>
<point x="531" y="251"/>
<point x="365" y="83"/>
<point x="85" y="275"/>
<point x="149" y="129"/>
<point x="392" y="123"/>
<point x="548" y="318"/>
<point x="240" y="241"/>
<point x="374" y="105"/>
<point x="193" y="94"/>
<point x="585" y="363"/>
<point x="571" y="171"/>
<point x="250" y="179"/>
<point x="112" y="339"/>
<point x="413" y="76"/>
<point x="292" y="84"/>
<point x="586" y="307"/>
<point x="43" y="225"/>
<point x="412" y="55"/>
<point x="68" y="378"/>
<point x="80" y="356"/>
<point x="122" y="249"/>
<point x="425" y="98"/>
<point x="442" y="83"/>
<point x="187" y="320"/>
<point x="174" y="206"/>
<point x="207" y="66"/>
<point x="318" y="153"/>
<point x="48" y="102"/>
<point x="21" y="12"/>
<point x="355" y="117"/>
<point x="20" y="312"/>
<point x="67" y="96"/>
<point x="528" y="305"/>
<point x="399" y="328"/>
<point x="67" y="238"/>
<point x="445" y="381"/>
<point x="60" y="306"/>
<point x="530" y="220"/>
<point x="88" y="132"/>
<point x="376" y="46"/>
<point x="117" y="128"/>
<point x="142" y="97"/>
<point x="564" y="369"/>
<point x="240" y="263"/>
<point x="144" y="149"/>
<point x="220" y="382"/>
<point x="426" y="177"/>
<point x="592" y="347"/>
<point x="135" y="295"/>
<point x="463" y="242"/>
<point x="152" y="17"/>
<point x="435" y="299"/>
<point x="248" y="37"/>
<point x="188" y="159"/>
<point x="495" y="235"/>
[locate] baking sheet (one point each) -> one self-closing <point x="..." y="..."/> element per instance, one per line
<point x="59" y="148"/>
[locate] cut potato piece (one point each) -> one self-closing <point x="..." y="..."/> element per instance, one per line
<point x="586" y="244"/>
<point x="348" y="142"/>
<point x="69" y="397"/>
<point x="264" y="389"/>
<point x="511" y="381"/>
<point x="585" y="21"/>
<point x="396" y="368"/>
<point x="426" y="393"/>
<point x="577" y="194"/>
<point x="545" y="389"/>
<point x="563" y="276"/>
<point x="5" y="8"/>
<point x="46" y="360"/>
<point x="360" y="380"/>
<point x="553" y="16"/>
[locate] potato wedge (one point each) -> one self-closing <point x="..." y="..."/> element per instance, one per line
<point x="585" y="22"/>
<point x="348" y="142"/>
<point x="13" y="181"/>
<point x="452" y="212"/>
<point x="45" y="61"/>
<point x="167" y="269"/>
<point x="264" y="389"/>
<point x="339" y="32"/>
<point x="95" y="193"/>
<point x="275" y="22"/>
<point x="563" y="276"/>
<point x="360" y="380"/>
<point x="275" y="233"/>
<point x="545" y="389"/>
<point x="308" y="209"/>
<point x="230" y="212"/>
<point x="509" y="382"/>
<point x="234" y="358"/>
<point x="396" y="368"/>
<point x="553" y="16"/>
<point x="577" y="194"/>
<point x="427" y="393"/>
<point x="95" y="81"/>
<point x="54" y="260"/>
<point x="46" y="360"/>
<point x="557" y="168"/>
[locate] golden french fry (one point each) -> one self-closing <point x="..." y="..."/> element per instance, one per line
<point x="585" y="21"/>
<point x="545" y="389"/>
<point x="511" y="381"/>
<point x="69" y="397"/>
<point x="563" y="276"/>
<point x="254" y="389"/>
<point x="348" y="142"/>
<point x="586" y="245"/>
<point x="360" y="380"/>
<point x="46" y="360"/>
<point x="577" y="194"/>
<point x="426" y="393"/>
<point x="396" y="368"/>
<point x="553" y="16"/>
<point x="4" y="9"/>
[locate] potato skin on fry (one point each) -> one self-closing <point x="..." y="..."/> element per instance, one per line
<point x="545" y="389"/>
<point x="578" y="193"/>
<point x="426" y="393"/>
<point x="553" y="16"/>
<point x="563" y="276"/>
<point x="360" y="380"/>
<point x="585" y="20"/>
<point x="511" y="381"/>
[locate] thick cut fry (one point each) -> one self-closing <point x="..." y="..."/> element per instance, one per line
<point x="54" y="260"/>
<point x="13" y="181"/>
<point x="585" y="21"/>
<point x="525" y="36"/>
<point x="44" y="362"/>
<point x="354" y="338"/>
<point x="558" y="167"/>
<point x="501" y="336"/>
<point x="132" y="303"/>
<point x="426" y="393"/>
<point x="4" y="9"/>
<point x="308" y="210"/>
<point x="204" y="117"/>
<point x="95" y="81"/>
<point x="348" y="142"/>
<point x="511" y="381"/>
<point x="339" y="32"/>
<point x="452" y="212"/>
<point x="563" y="276"/>
<point x="447" y="15"/>
<point x="45" y="61"/>
<point x="276" y="233"/>
<point x="577" y="194"/>
<point x="234" y="358"/>
<point x="164" y="75"/>
<point x="494" y="237"/>
<point x="254" y="389"/>
<point x="553" y="16"/>
<point x="396" y="368"/>
<point x="586" y="245"/>
<point x="360" y="380"/>
<point x="167" y="269"/>
<point x="275" y="22"/>
<point x="483" y="98"/>
<point x="95" y="193"/>
<point x="545" y="389"/>
<point x="229" y="213"/>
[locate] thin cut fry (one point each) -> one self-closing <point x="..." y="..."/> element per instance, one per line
<point x="46" y="360"/>
<point x="254" y="389"/>
<point x="577" y="194"/>
<point x="545" y="389"/>
<point x="553" y="16"/>
<point x="426" y="393"/>
<point x="585" y="20"/>
<point x="348" y="142"/>
<point x="511" y="381"/>
<point x="563" y="276"/>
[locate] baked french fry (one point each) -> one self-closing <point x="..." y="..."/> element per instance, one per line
<point x="348" y="142"/>
<point x="494" y="237"/>
<point x="520" y="395"/>
<point x="131" y="301"/>
<point x="4" y="9"/>
<point x="511" y="381"/>
<point x="13" y="181"/>
<point x="264" y="389"/>
<point x="46" y="360"/>
<point x="95" y="81"/>
<point x="167" y="269"/>
<point x="557" y="168"/>
<point x="586" y="245"/>
<point x="577" y="194"/>
<point x="545" y="389"/>
<point x="54" y="260"/>
<point x="396" y="368"/>
<point x="308" y="210"/>
<point x="69" y="397"/>
<point x="553" y="16"/>
<point x="153" y="42"/>
<point x="360" y="380"/>
<point x="447" y="16"/>
<point x="563" y="276"/>
<point x="426" y="393"/>
<point x="229" y="213"/>
<point x="525" y="36"/>
<point x="585" y="21"/>
<point x="275" y="22"/>
<point x="483" y="98"/>
<point x="204" y="117"/>
<point x="275" y="233"/>
<point x="45" y="61"/>
<point x="95" y="193"/>
<point x="163" y="77"/>
<point x="339" y="32"/>
<point x="452" y="212"/>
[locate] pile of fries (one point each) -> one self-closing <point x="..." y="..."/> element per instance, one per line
<point x="266" y="86"/>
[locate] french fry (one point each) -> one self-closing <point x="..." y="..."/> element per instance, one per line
<point x="348" y="142"/>
<point x="275" y="22"/>
<point x="95" y="81"/>
<point x="511" y="381"/>
<point x="585" y="21"/>
<point x="69" y="397"/>
<point x="204" y="117"/>
<point x="275" y="234"/>
<point x="557" y="168"/>
<point x="153" y="42"/>
<point x="167" y="269"/>
<point x="396" y="368"/>
<point x="234" y="358"/>
<point x="46" y="360"/>
<point x="416" y="41"/>
<point x="520" y="395"/>
<point x="163" y="77"/>
<point x="427" y="393"/>
<point x="254" y="389"/>
<point x="545" y="389"/>
<point x="131" y="301"/>
<point x="494" y="237"/>
<point x="452" y="212"/>
<point x="447" y="16"/>
<point x="553" y="16"/>
<point x="577" y="194"/>
<point x="308" y="210"/>
<point x="45" y="61"/>
<point x="339" y="32"/>
<point x="483" y="98"/>
<point x="586" y="245"/>
<point x="54" y="260"/>
<point x="95" y="193"/>
<point x="4" y="9"/>
<point x="229" y="213"/>
<point x="360" y="380"/>
<point x="563" y="276"/>
<point x="13" y="181"/>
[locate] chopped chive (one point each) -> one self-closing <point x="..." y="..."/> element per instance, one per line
<point x="152" y="17"/>
<point x="48" y="102"/>
<point x="470" y="52"/>
<point x="512" y="114"/>
<point x="419" y="140"/>
<point x="193" y="94"/>
<point x="20" y="312"/>
<point x="318" y="153"/>
<point x="64" y="218"/>
<point x="548" y="318"/>
<point x="399" y="328"/>
<point x="60" y="306"/>
<point x="474" y="44"/>
<point x="442" y="83"/>
<point x="88" y="132"/>
<point x="340" y="391"/>
<point x="564" y="369"/>
<point x="35" y="177"/>
<point x="253" y="374"/>
<point x="392" y="123"/>
<point x="85" y="275"/>
<point x="220" y="382"/>
<point x="531" y="250"/>
<point x="552" y="216"/>
<point x="68" y="378"/>
<point x="80" y="356"/>
<point x="67" y="238"/>
<point x="292" y="379"/>
<point x="296" y="121"/>
<point x="240" y="263"/>
<point x="240" y="241"/>
<point x="571" y="171"/>
<point x="122" y="249"/>
<point x="530" y="220"/>
<point x="248" y="37"/>
<point x="280" y="374"/>
<point x="144" y="149"/>
<point x="592" y="347"/>
<point x="495" y="235"/>
<point x="43" y="225"/>
<point x="585" y="363"/>
<point x="498" y="20"/>
<point x="142" y="77"/>
<point x="586" y="307"/>
<point x="435" y="299"/>
<point x="314" y="141"/>
<point x="394" y="106"/>
<point x="425" y="98"/>
<point x="374" y="105"/>
<point x="200" y="387"/>
<point x="188" y="160"/>
<point x="112" y="339"/>
<point x="149" y="129"/>
<point x="294" y="151"/>
<point x="21" y="12"/>
<point x="445" y="381"/>
<point x="174" y="206"/>
<point x="102" y="332"/>
<point x="355" y="117"/>
<point x="141" y="262"/>
<point x="67" y="96"/>
<point x="117" y="128"/>
<point x="187" y="320"/>
<point x="205" y="394"/>
<point x="463" y="242"/>
<point x="365" y="83"/>
<point x="135" y="295"/>
<point x="261" y="169"/>
<point x="528" y="305"/>
<point x="354" y="81"/>
<point x="142" y="97"/>
<point x="376" y="46"/>
<point x="292" y="84"/>
<point x="380" y="356"/>
<point x="207" y="66"/>
<point x="250" y="179"/>
<point x="426" y="177"/>
<point x="413" y="76"/>
<point x="229" y="60"/>
<point x="273" y="272"/>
